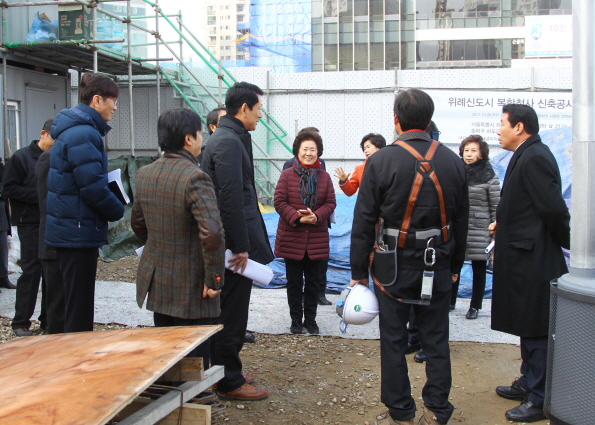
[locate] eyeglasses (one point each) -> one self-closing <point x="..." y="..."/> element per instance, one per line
<point x="115" y="99"/>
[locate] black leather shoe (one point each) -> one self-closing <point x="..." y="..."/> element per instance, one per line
<point x="249" y="337"/>
<point x="296" y="327"/>
<point x="514" y="392"/>
<point x="312" y="327"/>
<point x="420" y="356"/>
<point x="5" y="283"/>
<point x="526" y="412"/>
<point x="323" y="301"/>
<point x="412" y="348"/>
<point x="472" y="314"/>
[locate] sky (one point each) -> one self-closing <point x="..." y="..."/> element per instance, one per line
<point x="192" y="17"/>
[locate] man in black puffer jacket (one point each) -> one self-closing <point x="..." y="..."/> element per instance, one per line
<point x="20" y="187"/>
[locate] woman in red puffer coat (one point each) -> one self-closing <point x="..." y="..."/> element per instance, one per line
<point x="304" y="199"/>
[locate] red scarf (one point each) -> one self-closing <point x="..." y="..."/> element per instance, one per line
<point x="298" y="163"/>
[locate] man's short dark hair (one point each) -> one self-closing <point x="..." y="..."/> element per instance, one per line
<point x="47" y="125"/>
<point x="174" y="125"/>
<point x="376" y="139"/>
<point x="100" y="84"/>
<point x="304" y="135"/>
<point x="414" y="108"/>
<point x="522" y="113"/>
<point x="484" y="149"/>
<point x="213" y="118"/>
<point x="241" y="93"/>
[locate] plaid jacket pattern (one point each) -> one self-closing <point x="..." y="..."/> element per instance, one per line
<point x="172" y="197"/>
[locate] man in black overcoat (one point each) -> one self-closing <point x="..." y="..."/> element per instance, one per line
<point x="228" y="160"/>
<point x="533" y="224"/>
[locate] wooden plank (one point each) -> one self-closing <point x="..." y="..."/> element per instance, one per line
<point x="192" y="414"/>
<point x="86" y="377"/>
<point x="187" y="369"/>
<point x="170" y="401"/>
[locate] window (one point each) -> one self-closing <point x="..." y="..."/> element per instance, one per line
<point x="228" y="37"/>
<point x="240" y="8"/>
<point x="213" y="30"/>
<point x="240" y="18"/>
<point x="227" y="58"/>
<point x="226" y="27"/>
<point x="221" y="38"/>
<point x="210" y="10"/>
<point x="211" y="20"/>
<point x="212" y="39"/>
<point x="13" y="127"/>
<point x="227" y="47"/>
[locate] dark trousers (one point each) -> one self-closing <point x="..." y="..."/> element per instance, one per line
<point x="412" y="328"/>
<point x="3" y="254"/>
<point x="203" y="350"/>
<point x="28" y="283"/>
<point x="479" y="268"/>
<point x="78" y="267"/>
<point x="432" y="322"/>
<point x="303" y="279"/>
<point x="227" y="344"/>
<point x="54" y="296"/>
<point x="534" y="367"/>
<point x="322" y="277"/>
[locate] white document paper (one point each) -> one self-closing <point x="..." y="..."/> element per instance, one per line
<point x="139" y="251"/>
<point x="254" y="271"/>
<point x="490" y="247"/>
<point x="116" y="177"/>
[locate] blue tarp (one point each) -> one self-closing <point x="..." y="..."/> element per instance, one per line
<point x="339" y="274"/>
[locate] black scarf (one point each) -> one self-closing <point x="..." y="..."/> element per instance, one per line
<point x="479" y="172"/>
<point x="308" y="183"/>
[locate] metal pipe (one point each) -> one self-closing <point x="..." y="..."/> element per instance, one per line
<point x="153" y="44"/>
<point x="4" y="84"/>
<point x="582" y="243"/>
<point x="220" y="83"/>
<point x="158" y="73"/>
<point x="183" y="65"/>
<point x="57" y="3"/>
<point x="95" y="59"/>
<point x="129" y="29"/>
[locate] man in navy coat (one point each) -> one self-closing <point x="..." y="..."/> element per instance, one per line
<point x="79" y="202"/>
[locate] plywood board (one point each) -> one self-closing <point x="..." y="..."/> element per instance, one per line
<point x="87" y="377"/>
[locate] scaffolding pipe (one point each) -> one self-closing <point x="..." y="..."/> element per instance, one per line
<point x="158" y="73"/>
<point x="132" y="141"/>
<point x="95" y="60"/>
<point x="57" y="3"/>
<point x="220" y="78"/>
<point x="189" y="71"/>
<point x="4" y="84"/>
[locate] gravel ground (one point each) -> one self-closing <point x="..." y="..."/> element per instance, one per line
<point x="334" y="380"/>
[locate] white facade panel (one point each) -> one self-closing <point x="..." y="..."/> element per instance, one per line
<point x="470" y="33"/>
<point x="279" y="81"/>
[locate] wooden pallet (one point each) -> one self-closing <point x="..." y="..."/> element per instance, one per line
<point x="88" y="377"/>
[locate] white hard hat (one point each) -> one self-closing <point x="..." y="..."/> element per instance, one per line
<point x="357" y="305"/>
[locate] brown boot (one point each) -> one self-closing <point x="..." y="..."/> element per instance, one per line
<point x="245" y="393"/>
<point x="386" y="419"/>
<point x="428" y="418"/>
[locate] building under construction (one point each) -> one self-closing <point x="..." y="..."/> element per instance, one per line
<point x="43" y="42"/>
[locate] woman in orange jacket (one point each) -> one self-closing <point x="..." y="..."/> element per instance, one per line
<point x="370" y="144"/>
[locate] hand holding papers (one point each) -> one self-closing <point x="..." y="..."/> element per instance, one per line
<point x="255" y="271"/>
<point x="114" y="182"/>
